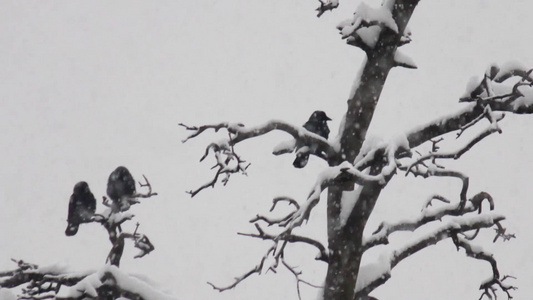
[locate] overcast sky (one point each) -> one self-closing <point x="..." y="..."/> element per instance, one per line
<point x="88" y="86"/>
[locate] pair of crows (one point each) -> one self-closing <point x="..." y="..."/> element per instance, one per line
<point x="82" y="204"/>
<point x="121" y="185"/>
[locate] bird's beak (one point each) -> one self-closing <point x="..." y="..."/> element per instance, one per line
<point x="327" y="118"/>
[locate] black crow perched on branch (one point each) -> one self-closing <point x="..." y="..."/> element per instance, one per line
<point x="81" y="207"/>
<point x="317" y="123"/>
<point x="121" y="188"/>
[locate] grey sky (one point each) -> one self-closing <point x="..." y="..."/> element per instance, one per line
<point x="88" y="86"/>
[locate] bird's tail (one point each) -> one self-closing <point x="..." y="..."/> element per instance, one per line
<point x="301" y="160"/>
<point x="72" y="229"/>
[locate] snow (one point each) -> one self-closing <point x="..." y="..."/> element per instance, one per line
<point x="357" y="79"/>
<point x="126" y="282"/>
<point x="284" y="147"/>
<point x="348" y="201"/>
<point x="388" y="4"/>
<point x="524" y="102"/>
<point x="56" y="268"/>
<point x="371" y="272"/>
<point x="118" y="218"/>
<point x="369" y="36"/>
<point x="439" y="121"/>
<point x="403" y="60"/>
<point x="400" y="141"/>
<point x="508" y="69"/>
<point x="472" y="84"/>
<point x="372" y="142"/>
<point x="366" y="24"/>
<point x="381" y="14"/>
<point x="474" y="247"/>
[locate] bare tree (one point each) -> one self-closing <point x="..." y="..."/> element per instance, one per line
<point x="360" y="168"/>
<point x="58" y="282"/>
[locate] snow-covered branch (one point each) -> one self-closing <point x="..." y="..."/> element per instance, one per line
<point x="37" y="277"/>
<point x="59" y="282"/>
<point x="238" y="133"/>
<point x="506" y="88"/>
<point x="373" y="275"/>
<point x="227" y="160"/>
<point x="488" y="287"/>
<point x="111" y="282"/>
<point x="381" y="235"/>
<point x="492" y="128"/>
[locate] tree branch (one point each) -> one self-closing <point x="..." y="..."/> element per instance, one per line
<point x="451" y="227"/>
<point x="257" y="269"/>
<point x="325" y="6"/>
<point x="478" y="253"/>
<point x="298" y="279"/>
<point x="291" y="238"/>
<point x="380" y="236"/>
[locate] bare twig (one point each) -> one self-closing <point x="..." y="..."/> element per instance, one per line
<point x="291" y="238"/>
<point x="500" y="232"/>
<point x="298" y="279"/>
<point x="256" y="270"/>
<point x="224" y="154"/>
<point x="325" y="6"/>
<point x="149" y="186"/>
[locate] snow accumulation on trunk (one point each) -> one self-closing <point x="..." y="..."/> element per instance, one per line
<point x="366" y="24"/>
<point x="371" y="272"/>
<point x="348" y="201"/>
<point x="357" y="80"/>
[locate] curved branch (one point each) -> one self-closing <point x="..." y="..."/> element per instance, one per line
<point x="510" y="98"/>
<point x="380" y="236"/>
<point x="449" y="229"/>
<point x="240" y="133"/>
<point x="478" y="253"/>
<point x="256" y="270"/>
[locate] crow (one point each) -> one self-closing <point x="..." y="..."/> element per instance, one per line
<point x="81" y="207"/>
<point x="121" y="187"/>
<point x="316" y="124"/>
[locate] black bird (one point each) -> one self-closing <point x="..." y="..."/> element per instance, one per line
<point x="81" y="207"/>
<point x="121" y="187"/>
<point x="316" y="124"/>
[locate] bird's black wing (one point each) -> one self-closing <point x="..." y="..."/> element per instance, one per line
<point x="73" y="219"/>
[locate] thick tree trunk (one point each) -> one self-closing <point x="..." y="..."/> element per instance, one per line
<point x="345" y="240"/>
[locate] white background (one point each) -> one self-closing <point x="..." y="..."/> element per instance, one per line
<point x="88" y="86"/>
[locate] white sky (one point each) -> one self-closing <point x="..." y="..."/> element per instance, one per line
<point x="88" y="86"/>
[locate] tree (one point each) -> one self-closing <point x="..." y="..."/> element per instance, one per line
<point x="109" y="282"/>
<point x="361" y="167"/>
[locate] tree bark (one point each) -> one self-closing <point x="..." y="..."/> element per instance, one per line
<point x="345" y="240"/>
